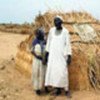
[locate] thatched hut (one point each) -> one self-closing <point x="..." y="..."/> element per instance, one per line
<point x="84" y="70"/>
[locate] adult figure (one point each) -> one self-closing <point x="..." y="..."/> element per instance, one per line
<point x="58" y="55"/>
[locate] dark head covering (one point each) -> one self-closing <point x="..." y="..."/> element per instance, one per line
<point x="39" y="37"/>
<point x="40" y="34"/>
<point x="58" y="22"/>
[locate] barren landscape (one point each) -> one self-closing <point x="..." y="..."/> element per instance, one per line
<point x="15" y="86"/>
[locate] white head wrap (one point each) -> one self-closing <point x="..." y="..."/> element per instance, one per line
<point x="59" y="17"/>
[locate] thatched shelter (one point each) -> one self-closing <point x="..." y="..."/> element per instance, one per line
<point x="84" y="70"/>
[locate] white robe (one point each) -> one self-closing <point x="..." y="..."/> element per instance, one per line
<point x="58" y="47"/>
<point x="38" y="70"/>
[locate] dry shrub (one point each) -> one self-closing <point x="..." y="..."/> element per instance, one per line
<point x="17" y="28"/>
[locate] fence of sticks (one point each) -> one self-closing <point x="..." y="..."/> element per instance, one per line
<point x="84" y="71"/>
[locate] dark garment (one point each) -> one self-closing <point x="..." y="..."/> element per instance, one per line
<point x="41" y="43"/>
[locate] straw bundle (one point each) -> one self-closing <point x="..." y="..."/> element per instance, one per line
<point x="84" y="70"/>
<point x="24" y="62"/>
<point x="23" y="67"/>
<point x="25" y="56"/>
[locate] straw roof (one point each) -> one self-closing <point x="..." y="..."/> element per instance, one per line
<point x="46" y="20"/>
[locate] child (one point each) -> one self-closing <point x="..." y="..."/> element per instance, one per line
<point x="38" y="68"/>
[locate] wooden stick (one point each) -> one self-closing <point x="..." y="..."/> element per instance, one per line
<point x="81" y="23"/>
<point x="96" y="42"/>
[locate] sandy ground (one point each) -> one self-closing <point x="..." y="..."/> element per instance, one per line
<point x="15" y="86"/>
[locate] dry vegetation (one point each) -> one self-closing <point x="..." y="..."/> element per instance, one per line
<point x="25" y="28"/>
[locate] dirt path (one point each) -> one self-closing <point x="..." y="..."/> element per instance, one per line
<point x="15" y="86"/>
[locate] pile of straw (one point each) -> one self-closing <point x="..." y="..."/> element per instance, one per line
<point x="84" y="70"/>
<point x="24" y="59"/>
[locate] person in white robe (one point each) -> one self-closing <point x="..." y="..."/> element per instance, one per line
<point x="38" y="68"/>
<point x="59" y="52"/>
